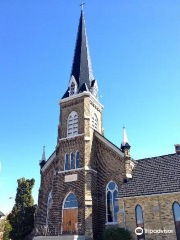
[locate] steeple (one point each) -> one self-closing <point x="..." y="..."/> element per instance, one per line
<point x="81" y="78"/>
<point x="125" y="144"/>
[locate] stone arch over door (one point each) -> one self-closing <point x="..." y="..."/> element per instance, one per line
<point x="70" y="214"/>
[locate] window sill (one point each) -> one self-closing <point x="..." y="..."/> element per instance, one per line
<point x="78" y="135"/>
<point x="111" y="223"/>
<point x="71" y="170"/>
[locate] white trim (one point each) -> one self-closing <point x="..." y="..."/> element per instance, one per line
<point x="95" y="101"/>
<point x="61" y="139"/>
<point x="87" y="117"/>
<point x="72" y="80"/>
<point x="87" y="168"/>
<point x="109" y="144"/>
<point x="48" y="162"/>
<point x="111" y="223"/>
<point x="74" y="121"/>
<point x="70" y="160"/>
<point x="48" y="207"/>
<point x="80" y="95"/>
<point x="75" y="159"/>
<point x="74" y="96"/>
<point x="87" y="138"/>
<point x="71" y="170"/>
<point x="65" y="160"/>
<point x="150" y="195"/>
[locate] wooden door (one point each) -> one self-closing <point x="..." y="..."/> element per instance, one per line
<point x="70" y="220"/>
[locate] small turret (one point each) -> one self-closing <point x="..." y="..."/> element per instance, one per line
<point x="125" y="146"/>
<point x="43" y="159"/>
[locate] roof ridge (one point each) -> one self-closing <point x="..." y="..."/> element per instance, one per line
<point x="151" y="158"/>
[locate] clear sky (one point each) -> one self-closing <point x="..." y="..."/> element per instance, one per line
<point x="135" y="52"/>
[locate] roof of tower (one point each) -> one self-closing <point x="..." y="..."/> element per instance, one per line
<point x="81" y="67"/>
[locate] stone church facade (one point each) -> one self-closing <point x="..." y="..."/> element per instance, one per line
<point x="89" y="184"/>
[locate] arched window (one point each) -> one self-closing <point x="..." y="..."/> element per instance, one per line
<point x="49" y="204"/>
<point x="66" y="158"/>
<point x="112" y="207"/>
<point x="72" y="124"/>
<point x="77" y="160"/>
<point x="72" y="160"/>
<point x="176" y="212"/>
<point x="72" y="89"/>
<point x="95" y="122"/>
<point x="140" y="221"/>
<point x="71" y="202"/>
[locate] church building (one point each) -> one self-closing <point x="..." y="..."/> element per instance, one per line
<point x="89" y="184"/>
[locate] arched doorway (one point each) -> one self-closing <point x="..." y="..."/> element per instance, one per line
<point x="70" y="215"/>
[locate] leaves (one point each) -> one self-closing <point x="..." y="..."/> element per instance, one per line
<point x="22" y="216"/>
<point x="116" y="233"/>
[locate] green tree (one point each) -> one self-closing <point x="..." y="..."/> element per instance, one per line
<point x="22" y="216"/>
<point x="7" y="229"/>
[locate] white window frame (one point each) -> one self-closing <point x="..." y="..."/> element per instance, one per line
<point x="48" y="207"/>
<point x="94" y="122"/>
<point x="73" y="165"/>
<point x="70" y="85"/>
<point x="66" y="154"/>
<point x="75" y="159"/>
<point x="108" y="190"/>
<point x="74" y="122"/>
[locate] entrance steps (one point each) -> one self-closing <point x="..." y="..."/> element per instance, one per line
<point x="62" y="237"/>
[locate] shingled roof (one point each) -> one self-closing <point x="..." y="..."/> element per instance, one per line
<point x="153" y="176"/>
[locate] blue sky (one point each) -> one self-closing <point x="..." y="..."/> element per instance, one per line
<point x="135" y="52"/>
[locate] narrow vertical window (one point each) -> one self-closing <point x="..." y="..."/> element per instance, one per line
<point x="112" y="207"/>
<point x="49" y="204"/>
<point x="72" y="124"/>
<point x="72" y="161"/>
<point x="77" y="160"/>
<point x="72" y="89"/>
<point x="66" y="162"/>
<point x="140" y="221"/>
<point x="176" y="212"/>
<point x="95" y="122"/>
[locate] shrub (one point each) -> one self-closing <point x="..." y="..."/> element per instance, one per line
<point x="116" y="233"/>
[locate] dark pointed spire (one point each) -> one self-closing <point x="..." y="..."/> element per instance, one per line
<point x="81" y="68"/>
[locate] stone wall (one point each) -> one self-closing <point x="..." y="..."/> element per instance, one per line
<point x="109" y="166"/>
<point x="47" y="178"/>
<point x="157" y="214"/>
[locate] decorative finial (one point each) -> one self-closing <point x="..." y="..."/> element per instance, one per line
<point x="81" y="5"/>
<point x="123" y="126"/>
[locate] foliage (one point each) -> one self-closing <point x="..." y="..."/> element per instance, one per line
<point x="116" y="233"/>
<point x="22" y="216"/>
<point x="2" y="223"/>
<point x="7" y="229"/>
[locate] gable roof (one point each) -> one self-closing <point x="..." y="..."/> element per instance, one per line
<point x="155" y="175"/>
<point x="109" y="143"/>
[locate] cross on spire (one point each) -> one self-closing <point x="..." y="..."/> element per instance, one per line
<point x="81" y="5"/>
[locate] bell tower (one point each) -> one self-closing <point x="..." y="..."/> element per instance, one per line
<point x="80" y="117"/>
